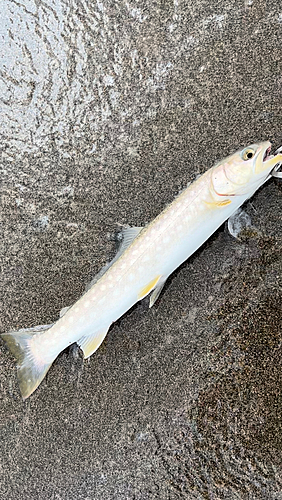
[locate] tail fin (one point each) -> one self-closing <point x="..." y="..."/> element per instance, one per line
<point x="31" y="370"/>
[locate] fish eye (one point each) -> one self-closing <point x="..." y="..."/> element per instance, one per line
<point x="247" y="154"/>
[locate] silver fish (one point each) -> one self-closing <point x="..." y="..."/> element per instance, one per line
<point x="145" y="260"/>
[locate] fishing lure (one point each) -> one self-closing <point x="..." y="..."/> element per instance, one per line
<point x="145" y="260"/>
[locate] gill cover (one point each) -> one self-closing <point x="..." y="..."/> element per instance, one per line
<point x="235" y="175"/>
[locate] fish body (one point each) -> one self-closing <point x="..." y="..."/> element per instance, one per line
<point x="146" y="258"/>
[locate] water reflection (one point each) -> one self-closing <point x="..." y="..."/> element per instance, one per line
<point x="63" y="66"/>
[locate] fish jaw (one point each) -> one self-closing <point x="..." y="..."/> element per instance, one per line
<point x="266" y="162"/>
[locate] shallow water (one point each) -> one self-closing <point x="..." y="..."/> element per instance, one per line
<point x="64" y="67"/>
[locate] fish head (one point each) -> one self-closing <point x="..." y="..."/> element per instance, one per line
<point x="244" y="170"/>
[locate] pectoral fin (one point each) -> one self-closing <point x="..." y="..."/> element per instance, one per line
<point x="90" y="343"/>
<point x="238" y="222"/>
<point x="218" y="204"/>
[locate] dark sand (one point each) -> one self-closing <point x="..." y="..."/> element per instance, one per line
<point x="105" y="124"/>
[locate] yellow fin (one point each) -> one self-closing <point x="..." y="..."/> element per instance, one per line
<point x="149" y="287"/>
<point x="218" y="203"/>
<point x="89" y="344"/>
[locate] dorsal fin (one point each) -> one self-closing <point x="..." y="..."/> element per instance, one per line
<point x="126" y="236"/>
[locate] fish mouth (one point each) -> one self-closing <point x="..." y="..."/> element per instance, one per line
<point x="267" y="161"/>
<point x="275" y="172"/>
<point x="267" y="154"/>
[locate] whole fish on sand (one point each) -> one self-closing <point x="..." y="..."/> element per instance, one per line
<point x="145" y="260"/>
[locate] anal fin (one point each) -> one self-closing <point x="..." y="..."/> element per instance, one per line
<point x="90" y="343"/>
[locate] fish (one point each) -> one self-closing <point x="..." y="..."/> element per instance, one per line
<point x="147" y="256"/>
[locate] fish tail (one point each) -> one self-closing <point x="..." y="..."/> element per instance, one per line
<point x="31" y="369"/>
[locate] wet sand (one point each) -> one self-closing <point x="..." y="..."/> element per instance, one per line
<point x="108" y="110"/>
